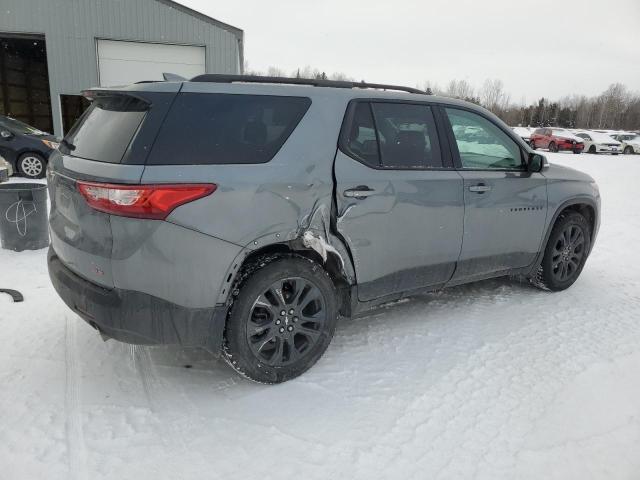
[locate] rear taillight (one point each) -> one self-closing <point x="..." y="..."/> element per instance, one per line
<point x="154" y="202"/>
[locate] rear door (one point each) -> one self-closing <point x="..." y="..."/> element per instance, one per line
<point x="108" y="144"/>
<point x="400" y="202"/>
<point x="505" y="205"/>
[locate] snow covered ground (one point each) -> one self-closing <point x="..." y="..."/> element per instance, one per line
<point x="495" y="380"/>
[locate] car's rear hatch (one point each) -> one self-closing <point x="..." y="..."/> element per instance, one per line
<point x="108" y="144"/>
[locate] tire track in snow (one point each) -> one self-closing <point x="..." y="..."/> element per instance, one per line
<point x="155" y="391"/>
<point x="76" y="448"/>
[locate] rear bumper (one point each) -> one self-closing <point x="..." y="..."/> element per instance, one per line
<point x="134" y="317"/>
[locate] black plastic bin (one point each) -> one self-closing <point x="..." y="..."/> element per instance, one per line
<point x="23" y="216"/>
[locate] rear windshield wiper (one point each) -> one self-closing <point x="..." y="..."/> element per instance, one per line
<point x="68" y="145"/>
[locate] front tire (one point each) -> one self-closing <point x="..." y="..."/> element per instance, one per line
<point x="281" y="321"/>
<point x="32" y="165"/>
<point x="628" y="151"/>
<point x="592" y="149"/>
<point x="565" y="254"/>
<point x="553" y="147"/>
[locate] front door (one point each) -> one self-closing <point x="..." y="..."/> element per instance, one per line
<point x="505" y="206"/>
<point x="400" y="206"/>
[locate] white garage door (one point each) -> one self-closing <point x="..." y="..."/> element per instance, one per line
<point x="122" y="63"/>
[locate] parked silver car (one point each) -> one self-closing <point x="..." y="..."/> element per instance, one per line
<point x="246" y="214"/>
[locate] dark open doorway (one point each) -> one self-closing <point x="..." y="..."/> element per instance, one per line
<point x="73" y="106"/>
<point x="24" y="80"/>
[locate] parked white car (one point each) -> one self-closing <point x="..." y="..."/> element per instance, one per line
<point x="596" y="142"/>
<point x="630" y="142"/>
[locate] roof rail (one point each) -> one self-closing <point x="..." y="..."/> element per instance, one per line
<point x="223" y="78"/>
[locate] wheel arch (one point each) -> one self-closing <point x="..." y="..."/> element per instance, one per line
<point x="337" y="266"/>
<point x="583" y="205"/>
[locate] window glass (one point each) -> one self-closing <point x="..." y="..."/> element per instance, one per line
<point x="482" y="145"/>
<point x="205" y="129"/>
<point x="407" y="135"/>
<point x="361" y="136"/>
<point x="107" y="128"/>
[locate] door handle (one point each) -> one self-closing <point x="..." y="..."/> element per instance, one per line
<point x="360" y="192"/>
<point x="480" y="188"/>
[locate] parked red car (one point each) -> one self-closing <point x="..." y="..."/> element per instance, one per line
<point x="556" y="140"/>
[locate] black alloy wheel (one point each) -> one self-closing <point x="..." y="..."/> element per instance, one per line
<point x="286" y="321"/>
<point x="568" y="252"/>
<point x="282" y="319"/>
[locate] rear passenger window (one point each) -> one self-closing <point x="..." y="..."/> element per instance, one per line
<point x="211" y="129"/>
<point x="393" y="135"/>
<point x="361" y="139"/>
<point x="407" y="136"/>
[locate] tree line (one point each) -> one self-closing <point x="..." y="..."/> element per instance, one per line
<point x="616" y="108"/>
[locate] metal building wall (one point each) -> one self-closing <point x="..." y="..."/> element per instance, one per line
<point x="72" y="26"/>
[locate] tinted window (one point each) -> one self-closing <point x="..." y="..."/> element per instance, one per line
<point x="407" y="135"/>
<point x="361" y="139"/>
<point x="481" y="143"/>
<point x="225" y="129"/>
<point x="107" y="128"/>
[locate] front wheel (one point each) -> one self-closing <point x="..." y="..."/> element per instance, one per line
<point x="628" y="150"/>
<point x="592" y="149"/>
<point x="281" y="321"/>
<point x="553" y="147"/>
<point x="32" y="165"/>
<point x="565" y="254"/>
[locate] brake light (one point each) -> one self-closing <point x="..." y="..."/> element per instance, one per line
<point x="153" y="202"/>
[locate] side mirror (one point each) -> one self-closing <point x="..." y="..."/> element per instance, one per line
<point x="536" y="162"/>
<point x="6" y="134"/>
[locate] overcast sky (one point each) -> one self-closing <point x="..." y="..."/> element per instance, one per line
<point x="536" y="47"/>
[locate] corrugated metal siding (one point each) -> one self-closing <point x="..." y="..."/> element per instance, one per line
<point x="72" y="26"/>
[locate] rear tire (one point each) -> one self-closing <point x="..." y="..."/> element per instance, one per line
<point x="281" y="321"/>
<point x="565" y="254"/>
<point x="577" y="152"/>
<point x="32" y="165"/>
<point x="553" y="147"/>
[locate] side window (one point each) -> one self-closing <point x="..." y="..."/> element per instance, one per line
<point x="214" y="128"/>
<point x="407" y="135"/>
<point x="360" y="138"/>
<point x="482" y="145"/>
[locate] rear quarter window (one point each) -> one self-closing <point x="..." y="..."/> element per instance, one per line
<point x="213" y="129"/>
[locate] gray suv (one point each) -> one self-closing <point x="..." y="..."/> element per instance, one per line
<point x="246" y="214"/>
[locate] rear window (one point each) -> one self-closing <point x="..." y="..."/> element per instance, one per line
<point x="106" y="129"/>
<point x="212" y="129"/>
